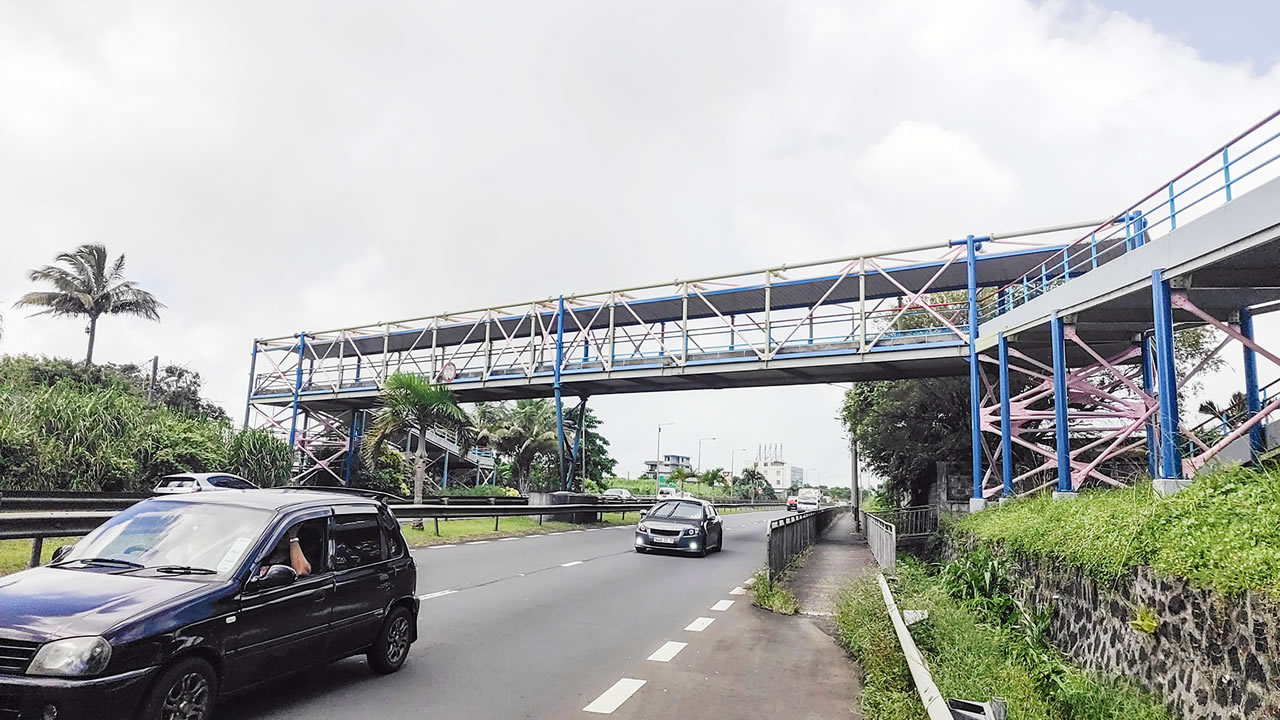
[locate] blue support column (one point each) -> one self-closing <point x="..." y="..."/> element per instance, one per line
<point x="1170" y="467"/>
<point x="1006" y="426"/>
<point x="975" y="389"/>
<point x="253" y="369"/>
<point x="556" y="384"/>
<point x="445" y="479"/>
<point x="1252" y="398"/>
<point x="297" y="389"/>
<point x="1148" y="386"/>
<point x="1060" y="418"/>
<point x="353" y="444"/>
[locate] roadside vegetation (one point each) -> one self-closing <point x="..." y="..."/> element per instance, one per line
<point x="773" y="596"/>
<point x="72" y="426"/>
<point x="1219" y="533"/>
<point x="978" y="644"/>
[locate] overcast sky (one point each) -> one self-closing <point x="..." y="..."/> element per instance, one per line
<point x="282" y="166"/>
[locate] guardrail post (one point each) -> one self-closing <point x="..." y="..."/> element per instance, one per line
<point x="37" y="549"/>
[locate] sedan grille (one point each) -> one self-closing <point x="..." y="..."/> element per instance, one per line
<point x="665" y="531"/>
<point x="15" y="656"/>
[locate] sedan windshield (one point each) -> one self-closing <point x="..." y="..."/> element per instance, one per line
<point x="678" y="511"/>
<point x="207" y="539"/>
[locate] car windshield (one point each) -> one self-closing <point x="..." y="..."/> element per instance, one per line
<point x="678" y="510"/>
<point x="161" y="533"/>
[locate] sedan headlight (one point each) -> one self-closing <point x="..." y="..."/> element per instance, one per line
<point x="691" y="531"/>
<point x="642" y="527"/>
<point x="73" y="657"/>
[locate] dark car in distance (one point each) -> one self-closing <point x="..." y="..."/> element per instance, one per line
<point x="683" y="525"/>
<point x="183" y="598"/>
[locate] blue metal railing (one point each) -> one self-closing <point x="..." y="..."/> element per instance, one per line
<point x="1219" y="176"/>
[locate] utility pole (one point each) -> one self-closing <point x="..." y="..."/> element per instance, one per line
<point x="155" y="370"/>
<point x="857" y="491"/>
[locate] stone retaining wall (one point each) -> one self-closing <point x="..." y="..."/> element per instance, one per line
<point x="1209" y="656"/>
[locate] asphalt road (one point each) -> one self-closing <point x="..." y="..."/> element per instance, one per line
<point x="536" y="627"/>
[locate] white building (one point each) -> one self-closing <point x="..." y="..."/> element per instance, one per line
<point x="781" y="475"/>
<point x="668" y="464"/>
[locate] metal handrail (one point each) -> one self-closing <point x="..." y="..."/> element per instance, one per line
<point x="882" y="538"/>
<point x="1134" y="224"/>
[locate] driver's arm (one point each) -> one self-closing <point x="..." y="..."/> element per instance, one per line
<point x="297" y="560"/>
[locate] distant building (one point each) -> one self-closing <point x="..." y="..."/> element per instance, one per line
<point x="780" y="474"/>
<point x="666" y="466"/>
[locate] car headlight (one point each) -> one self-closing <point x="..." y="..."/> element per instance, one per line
<point x="691" y="531"/>
<point x="73" y="657"/>
<point x="642" y="527"/>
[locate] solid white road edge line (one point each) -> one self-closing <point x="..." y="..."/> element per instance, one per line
<point x="571" y="564"/>
<point x="700" y="624"/>
<point x="442" y="593"/>
<point x="613" y="698"/>
<point x="437" y="547"/>
<point x="667" y="651"/>
<point x="722" y="605"/>
<point x="738" y="591"/>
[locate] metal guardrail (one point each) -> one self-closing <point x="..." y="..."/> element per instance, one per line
<point x="911" y="522"/>
<point x="882" y="538"/>
<point x="40" y="525"/>
<point x="792" y="535"/>
<point x="50" y="501"/>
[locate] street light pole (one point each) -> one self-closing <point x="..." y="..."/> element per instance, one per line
<point x="657" y="464"/>
<point x="700" y="440"/>
<point x="733" y="457"/>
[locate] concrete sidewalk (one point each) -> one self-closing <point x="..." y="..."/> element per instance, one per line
<point x="837" y="557"/>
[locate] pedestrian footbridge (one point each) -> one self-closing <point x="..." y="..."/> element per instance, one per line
<point x="1066" y="332"/>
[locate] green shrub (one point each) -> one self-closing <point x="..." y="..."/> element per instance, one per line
<point x="773" y="596"/>
<point x="259" y="456"/>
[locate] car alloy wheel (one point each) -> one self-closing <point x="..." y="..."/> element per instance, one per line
<point x="398" y="640"/>
<point x="188" y="698"/>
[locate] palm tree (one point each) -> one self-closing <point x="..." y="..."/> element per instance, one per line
<point x="412" y="404"/>
<point x="754" y="483"/>
<point x="1230" y="414"/>
<point x="524" y="434"/>
<point x="88" y="287"/>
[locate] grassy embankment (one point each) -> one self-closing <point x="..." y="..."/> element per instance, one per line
<point x="1219" y="533"/>
<point x="976" y="648"/>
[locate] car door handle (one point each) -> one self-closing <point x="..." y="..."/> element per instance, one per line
<point x="384" y="577"/>
<point x="320" y="597"/>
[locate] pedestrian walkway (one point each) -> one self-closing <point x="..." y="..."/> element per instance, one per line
<point x="836" y="558"/>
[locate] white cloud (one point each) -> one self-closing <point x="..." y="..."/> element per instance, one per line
<point x="270" y="168"/>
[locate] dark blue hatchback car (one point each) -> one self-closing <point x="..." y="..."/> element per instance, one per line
<point x="178" y="600"/>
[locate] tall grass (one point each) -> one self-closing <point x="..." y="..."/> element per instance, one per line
<point x="1221" y="532"/>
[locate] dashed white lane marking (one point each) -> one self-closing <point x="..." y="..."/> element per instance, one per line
<point x="667" y="651"/>
<point x="478" y="542"/>
<point x="613" y="698"/>
<point x="556" y="533"/>
<point x="749" y="582"/>
<point x="722" y="605"/>
<point x="442" y="593"/>
<point x="437" y="547"/>
<point x="570" y="532"/>
<point x="738" y="591"/>
<point x="700" y="624"/>
<point x="571" y="564"/>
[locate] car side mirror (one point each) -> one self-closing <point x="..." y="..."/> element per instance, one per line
<point x="61" y="552"/>
<point x="275" y="576"/>
<point x="643" y="513"/>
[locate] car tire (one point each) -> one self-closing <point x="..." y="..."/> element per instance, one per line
<point x="187" y="688"/>
<point x="392" y="647"/>
<point x="702" y="549"/>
